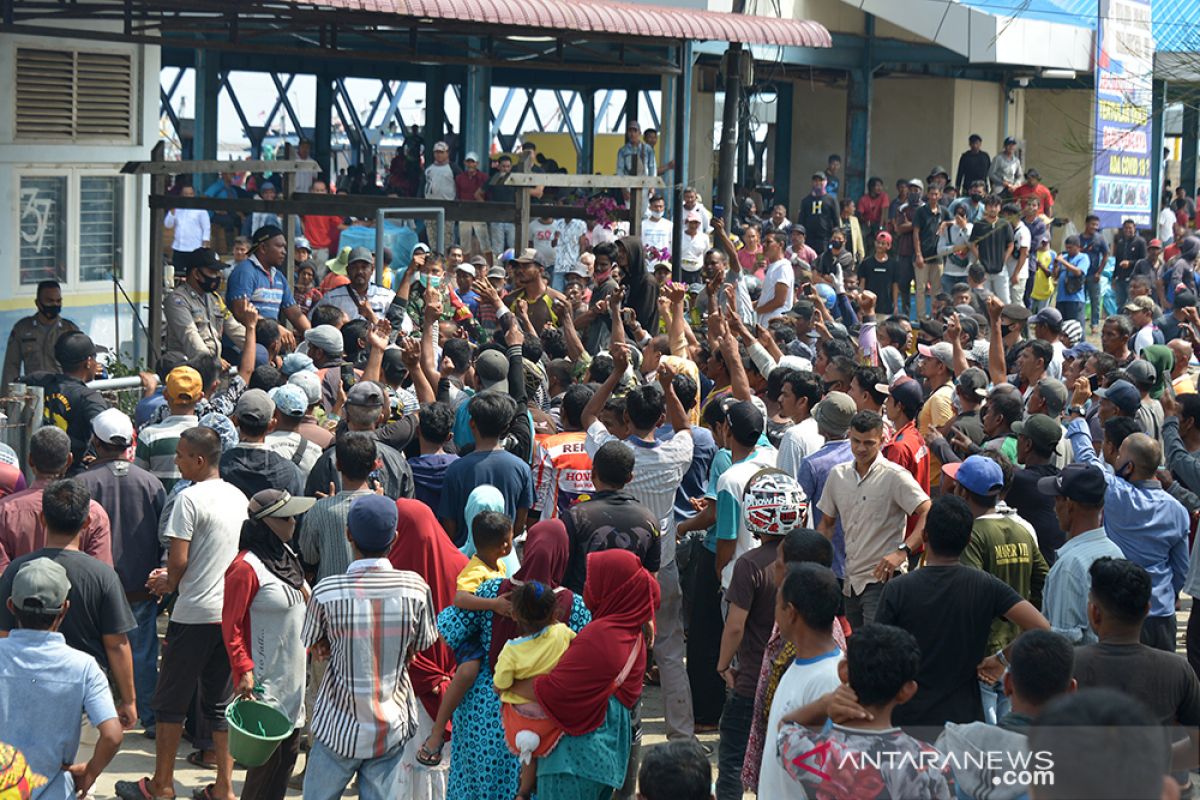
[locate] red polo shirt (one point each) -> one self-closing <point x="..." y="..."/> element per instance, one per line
<point x="907" y="448"/>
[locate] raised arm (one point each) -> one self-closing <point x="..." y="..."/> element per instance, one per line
<point x="997" y="370"/>
<point x="620" y="357"/>
<point x="676" y="416"/>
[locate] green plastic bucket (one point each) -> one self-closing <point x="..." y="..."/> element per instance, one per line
<point x="255" y="730"/>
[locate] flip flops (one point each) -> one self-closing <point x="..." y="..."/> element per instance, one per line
<point x="429" y="758"/>
<point x="137" y="790"/>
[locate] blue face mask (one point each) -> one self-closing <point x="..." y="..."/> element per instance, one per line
<point x="427" y="280"/>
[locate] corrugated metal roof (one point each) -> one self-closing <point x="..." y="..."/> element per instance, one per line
<point x="604" y="17"/>
<point x="1176" y="22"/>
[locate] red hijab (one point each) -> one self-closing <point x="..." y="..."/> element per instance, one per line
<point x="547" y="549"/>
<point x="623" y="597"/>
<point x="422" y="546"/>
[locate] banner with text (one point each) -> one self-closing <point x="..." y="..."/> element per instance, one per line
<point x="1121" y="183"/>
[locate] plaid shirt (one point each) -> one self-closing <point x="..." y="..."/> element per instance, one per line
<point x="375" y="618"/>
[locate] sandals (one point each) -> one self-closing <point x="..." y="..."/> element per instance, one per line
<point x="196" y="759"/>
<point x="429" y="758"/>
<point x="137" y="790"/>
<point x="204" y="793"/>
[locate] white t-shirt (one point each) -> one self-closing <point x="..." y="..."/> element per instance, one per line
<point x="694" y="248"/>
<point x="1142" y="339"/>
<point x="1021" y="238"/>
<point x="798" y="443"/>
<point x="542" y="234"/>
<point x="778" y="272"/>
<point x="1166" y="224"/>
<point x="804" y="682"/>
<point x="656" y="233"/>
<point x="208" y="514"/>
<point x="1054" y="368"/>
<point x="439" y="182"/>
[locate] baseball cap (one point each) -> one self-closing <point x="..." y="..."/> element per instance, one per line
<point x="1185" y="299"/>
<point x="1041" y="430"/>
<point x="834" y="412"/>
<point x="371" y="522"/>
<point x="491" y="367"/>
<point x="74" y="348"/>
<point x="1054" y="393"/>
<point x="441" y="146"/>
<point x="1143" y="303"/>
<point x="365" y="393"/>
<point x="1050" y="317"/>
<point x="310" y="383"/>
<point x="1141" y="373"/>
<point x="361" y="253"/>
<point x="326" y="337"/>
<point x="905" y="391"/>
<point x="798" y="228"/>
<point x="1081" y="350"/>
<point x="421" y="247"/>
<point x="302" y="244"/>
<point x="939" y="170"/>
<point x="207" y="258"/>
<point x="692" y="216"/>
<point x="1072" y="330"/>
<point x="1032" y="173"/>
<point x="290" y="399"/>
<point x="917" y="182"/>
<point x="1122" y="394"/>
<point x="255" y="407"/>
<point x="745" y="418"/>
<point x="1154" y="243"/>
<point x="264" y="234"/>
<point x="496" y="271"/>
<point x="466" y="267"/>
<point x="883" y="236"/>
<point x="578" y="268"/>
<point x="184" y="385"/>
<point x="278" y="503"/>
<point x="819" y="176"/>
<point x="528" y="256"/>
<point x="1009" y="140"/>
<point x="1083" y="483"/>
<point x="112" y="426"/>
<point x="978" y="474"/>
<point x="973" y="381"/>
<point x="297" y="362"/>
<point x="478" y="262"/>
<point x="266" y="186"/>
<point x="40" y="585"/>
<point x="471" y="156"/>
<point x="1016" y="313"/>
<point x="942" y="351"/>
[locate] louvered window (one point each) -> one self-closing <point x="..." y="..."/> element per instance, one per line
<point x="70" y="95"/>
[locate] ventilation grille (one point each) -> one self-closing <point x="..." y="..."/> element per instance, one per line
<point x="67" y="95"/>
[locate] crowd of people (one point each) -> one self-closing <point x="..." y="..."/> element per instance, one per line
<point x="865" y="516"/>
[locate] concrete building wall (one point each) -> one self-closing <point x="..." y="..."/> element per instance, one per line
<point x="34" y="212"/>
<point x="978" y="108"/>
<point x="818" y="129"/>
<point x="909" y="134"/>
<point x="1058" y="142"/>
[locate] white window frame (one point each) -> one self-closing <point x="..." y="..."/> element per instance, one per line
<point x="73" y="173"/>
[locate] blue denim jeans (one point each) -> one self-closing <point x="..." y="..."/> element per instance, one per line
<point x="735" y="732"/>
<point x="143" y="643"/>
<point x="1093" y="295"/>
<point x="995" y="703"/>
<point x="326" y="774"/>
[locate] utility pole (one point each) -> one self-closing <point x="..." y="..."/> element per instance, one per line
<point x="727" y="159"/>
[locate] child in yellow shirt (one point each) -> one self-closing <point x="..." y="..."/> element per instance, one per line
<point x="529" y="732"/>
<point x="493" y="536"/>
<point x="1043" y="276"/>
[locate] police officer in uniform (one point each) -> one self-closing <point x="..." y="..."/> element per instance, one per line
<point x="195" y="315"/>
<point x="31" y="341"/>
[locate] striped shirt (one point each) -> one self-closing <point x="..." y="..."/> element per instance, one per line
<point x="374" y="618"/>
<point x="322" y="535"/>
<point x="658" y="469"/>
<point x="156" y="447"/>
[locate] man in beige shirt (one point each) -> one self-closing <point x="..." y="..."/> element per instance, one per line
<point x="872" y="498"/>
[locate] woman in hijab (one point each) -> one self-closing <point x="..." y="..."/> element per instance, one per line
<point x="423" y="547"/>
<point x="265" y="597"/>
<point x="487" y="498"/>
<point x="597" y="681"/>
<point x="481" y="766"/>
<point x="641" y="291"/>
<point x="1163" y="360"/>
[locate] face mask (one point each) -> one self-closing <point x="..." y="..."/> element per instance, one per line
<point x="655" y="215"/>
<point x="50" y="312"/>
<point x="429" y="280"/>
<point x="210" y="284"/>
<point x="976" y="198"/>
<point x="835" y="245"/>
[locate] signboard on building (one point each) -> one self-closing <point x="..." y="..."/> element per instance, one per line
<point x="1121" y="182"/>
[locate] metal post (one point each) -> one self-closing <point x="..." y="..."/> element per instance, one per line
<point x="208" y="86"/>
<point x="435" y="107"/>
<point x="323" y="129"/>
<point x="289" y="228"/>
<point x="587" y="149"/>
<point x="158" y="185"/>
<point x="1191" y="135"/>
<point x="476" y="107"/>
<point x="727" y="159"/>
<point x="858" y="117"/>
<point x="683" y="144"/>
<point x="631" y="106"/>
<point x="781" y="149"/>
<point x="1157" y="104"/>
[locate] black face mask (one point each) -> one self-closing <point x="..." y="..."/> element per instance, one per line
<point x="210" y="284"/>
<point x="976" y="198"/>
<point x="50" y="312"/>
